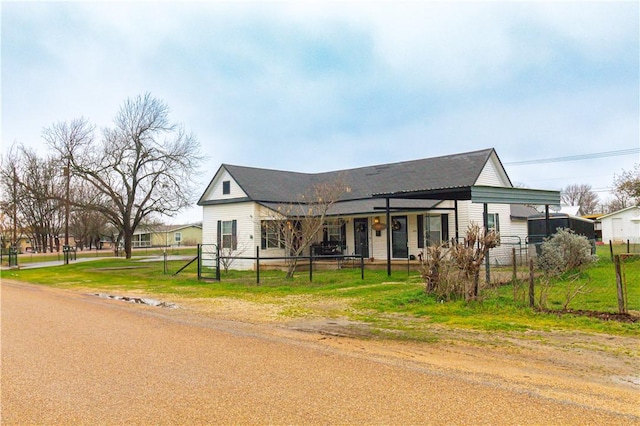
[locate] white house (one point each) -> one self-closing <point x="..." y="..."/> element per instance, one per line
<point x="425" y="201"/>
<point x="621" y="226"/>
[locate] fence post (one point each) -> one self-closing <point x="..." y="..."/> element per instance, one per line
<point x="217" y="263"/>
<point x="621" y="299"/>
<point x="532" y="293"/>
<point x="515" y="265"/>
<point x="257" y="264"/>
<point x="611" y="249"/>
<point x="13" y="256"/>
<point x="628" y="247"/>
<point x="361" y="264"/>
<point x="164" y="255"/>
<point x="199" y="261"/>
<point x="311" y="266"/>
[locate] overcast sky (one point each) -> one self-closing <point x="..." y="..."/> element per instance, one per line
<point x="323" y="86"/>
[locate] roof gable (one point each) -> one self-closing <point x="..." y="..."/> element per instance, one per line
<point x="618" y="212"/>
<point x="450" y="171"/>
<point x="215" y="189"/>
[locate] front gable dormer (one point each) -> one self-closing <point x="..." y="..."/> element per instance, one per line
<point x="223" y="188"/>
<point x="493" y="173"/>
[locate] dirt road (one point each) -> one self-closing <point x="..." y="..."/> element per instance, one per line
<point x="73" y="358"/>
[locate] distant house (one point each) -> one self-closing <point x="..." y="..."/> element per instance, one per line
<point x="415" y="204"/>
<point x="621" y="226"/>
<point x="167" y="236"/>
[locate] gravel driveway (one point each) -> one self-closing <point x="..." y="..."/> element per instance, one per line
<point x="73" y="358"/>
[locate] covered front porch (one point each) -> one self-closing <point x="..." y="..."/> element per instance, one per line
<point x="475" y="194"/>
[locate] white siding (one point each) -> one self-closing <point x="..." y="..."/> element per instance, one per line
<point x="378" y="245"/>
<point x="247" y="238"/>
<point x="519" y="232"/>
<point x="493" y="174"/>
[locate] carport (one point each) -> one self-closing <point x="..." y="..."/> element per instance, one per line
<point x="476" y="194"/>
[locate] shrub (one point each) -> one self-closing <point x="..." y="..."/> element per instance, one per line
<point x="440" y="274"/>
<point x="449" y="272"/>
<point x="565" y="251"/>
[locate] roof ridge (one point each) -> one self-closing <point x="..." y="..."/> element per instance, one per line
<point x="460" y="154"/>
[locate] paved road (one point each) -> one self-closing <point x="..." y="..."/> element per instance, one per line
<point x="50" y="263"/>
<point x="69" y="358"/>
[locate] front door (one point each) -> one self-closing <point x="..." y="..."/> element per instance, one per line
<point x="361" y="236"/>
<point x="399" y="237"/>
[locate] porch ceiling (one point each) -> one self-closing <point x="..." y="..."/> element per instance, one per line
<point x="480" y="194"/>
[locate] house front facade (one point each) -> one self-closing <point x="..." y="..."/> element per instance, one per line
<point x="167" y="236"/>
<point x="240" y="202"/>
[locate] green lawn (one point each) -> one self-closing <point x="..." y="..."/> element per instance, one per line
<point x="396" y="303"/>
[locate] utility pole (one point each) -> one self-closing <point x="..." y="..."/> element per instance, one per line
<point x="66" y="204"/>
<point x="15" y="208"/>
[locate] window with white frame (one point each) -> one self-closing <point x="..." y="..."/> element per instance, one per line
<point x="334" y="231"/>
<point x="177" y="237"/>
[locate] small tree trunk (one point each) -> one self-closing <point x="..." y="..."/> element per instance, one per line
<point x="291" y="269"/>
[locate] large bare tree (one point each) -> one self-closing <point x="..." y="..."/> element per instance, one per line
<point x="144" y="164"/>
<point x="580" y="195"/>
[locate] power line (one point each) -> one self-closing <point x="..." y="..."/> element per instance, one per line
<point x="576" y="157"/>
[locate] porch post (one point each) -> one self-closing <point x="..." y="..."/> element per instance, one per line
<point x="455" y="209"/>
<point x="388" y="237"/>
<point x="547" y="224"/>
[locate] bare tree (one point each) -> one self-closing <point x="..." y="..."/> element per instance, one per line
<point x="86" y="225"/>
<point x="5" y="230"/>
<point x="143" y="166"/>
<point x="33" y="185"/>
<point x="470" y="254"/>
<point x="619" y="202"/>
<point x="627" y="186"/>
<point x="299" y="224"/>
<point x="580" y="195"/>
<point x="9" y="193"/>
<point x="42" y="186"/>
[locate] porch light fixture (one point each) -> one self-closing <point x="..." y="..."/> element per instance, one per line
<point x="377" y="225"/>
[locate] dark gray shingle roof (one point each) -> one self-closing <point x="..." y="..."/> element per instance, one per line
<point x="448" y="171"/>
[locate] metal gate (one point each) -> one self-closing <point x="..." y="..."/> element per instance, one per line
<point x="208" y="262"/>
